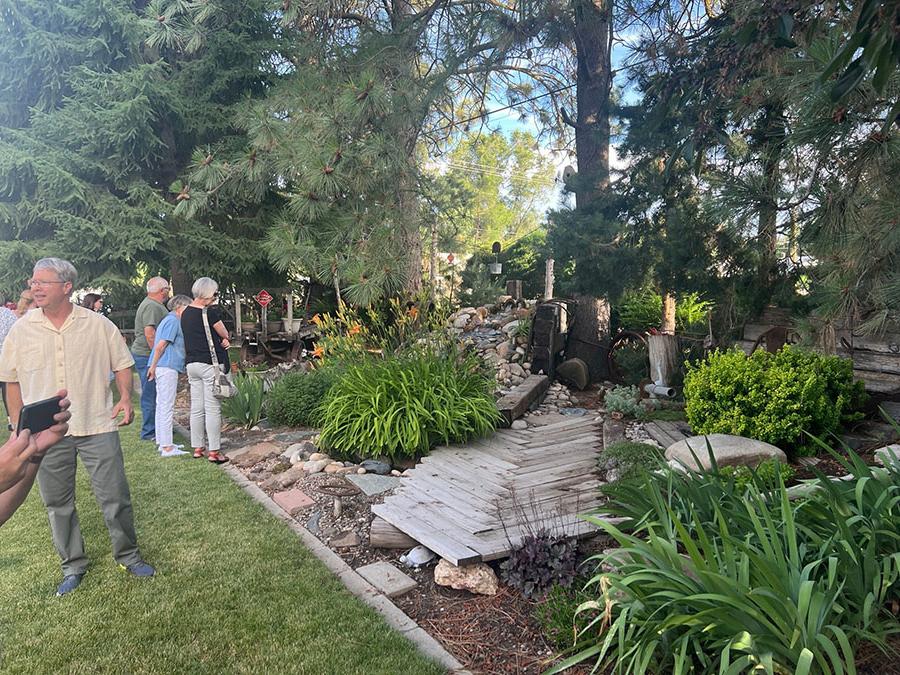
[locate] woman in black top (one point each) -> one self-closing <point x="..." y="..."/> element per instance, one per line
<point x="206" y="410"/>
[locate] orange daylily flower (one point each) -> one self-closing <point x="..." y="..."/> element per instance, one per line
<point x="319" y="351"/>
<point x="316" y="319"/>
<point x="355" y="329"/>
<point x="413" y="312"/>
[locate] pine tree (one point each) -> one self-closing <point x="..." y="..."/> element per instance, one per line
<point x="370" y="87"/>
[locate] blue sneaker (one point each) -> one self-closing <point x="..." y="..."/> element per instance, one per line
<point x="69" y="583"/>
<point x="139" y="569"/>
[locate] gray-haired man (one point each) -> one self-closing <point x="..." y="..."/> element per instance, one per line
<point x="150" y="312"/>
<point x="61" y="346"/>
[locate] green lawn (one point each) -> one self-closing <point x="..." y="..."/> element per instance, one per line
<point x="235" y="590"/>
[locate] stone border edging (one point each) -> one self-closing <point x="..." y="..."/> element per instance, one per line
<point x="362" y="589"/>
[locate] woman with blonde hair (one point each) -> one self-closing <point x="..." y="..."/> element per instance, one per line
<point x="201" y="324"/>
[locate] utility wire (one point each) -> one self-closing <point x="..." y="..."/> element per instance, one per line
<point x="508" y="107"/>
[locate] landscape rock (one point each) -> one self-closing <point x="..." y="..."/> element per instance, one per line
<point x="504" y="349"/>
<point x="255" y="454"/>
<point x="728" y="451"/>
<point x="888" y="455"/>
<point x="316" y="456"/>
<point x="291" y="476"/>
<point x="519" y="425"/>
<point x="511" y="328"/>
<point x="376" y="466"/>
<point x="461" y="321"/>
<point x="574" y="372"/>
<point x="333" y="468"/>
<point x="315" y="465"/>
<point x="346" y="540"/>
<point x="476" y="578"/>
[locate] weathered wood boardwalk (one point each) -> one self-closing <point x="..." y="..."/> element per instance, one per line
<point x="476" y="502"/>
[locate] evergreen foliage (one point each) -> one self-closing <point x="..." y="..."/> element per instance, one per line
<point x="100" y="107"/>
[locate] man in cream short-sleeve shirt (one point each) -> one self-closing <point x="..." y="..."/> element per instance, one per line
<point x="59" y="345"/>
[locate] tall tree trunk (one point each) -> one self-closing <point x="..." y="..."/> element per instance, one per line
<point x="593" y="33"/>
<point x="180" y="279"/>
<point x="773" y="140"/>
<point x="409" y="235"/>
<point x="668" y="314"/>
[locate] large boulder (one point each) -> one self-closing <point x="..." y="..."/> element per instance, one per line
<point x="574" y="372"/>
<point x="728" y="451"/>
<point x="888" y="455"/>
<point x="476" y="578"/>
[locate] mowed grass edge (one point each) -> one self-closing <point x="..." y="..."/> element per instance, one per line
<point x="235" y="589"/>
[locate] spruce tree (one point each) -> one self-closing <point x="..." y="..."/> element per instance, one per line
<point x="98" y="121"/>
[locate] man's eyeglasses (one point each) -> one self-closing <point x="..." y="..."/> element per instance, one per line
<point x="35" y="283"/>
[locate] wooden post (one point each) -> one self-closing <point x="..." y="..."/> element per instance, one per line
<point x="289" y="298"/>
<point x="265" y="327"/>
<point x="548" y="280"/>
<point x="237" y="315"/>
<point x="514" y="289"/>
<point x="663" y="351"/>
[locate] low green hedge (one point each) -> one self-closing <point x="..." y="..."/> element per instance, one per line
<point x="777" y="398"/>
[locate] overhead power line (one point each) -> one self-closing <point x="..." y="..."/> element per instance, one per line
<point x="508" y="107"/>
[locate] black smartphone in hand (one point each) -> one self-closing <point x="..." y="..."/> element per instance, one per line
<point x="38" y="416"/>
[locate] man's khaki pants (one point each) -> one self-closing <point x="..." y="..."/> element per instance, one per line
<point x="101" y="455"/>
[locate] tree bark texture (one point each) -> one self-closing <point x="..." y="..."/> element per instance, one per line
<point x="663" y="351"/>
<point x="773" y="136"/>
<point x="593" y="33"/>
<point x="589" y="336"/>
<point x="668" y="314"/>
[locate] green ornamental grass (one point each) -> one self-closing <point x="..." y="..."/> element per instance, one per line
<point x="717" y="578"/>
<point x="407" y="404"/>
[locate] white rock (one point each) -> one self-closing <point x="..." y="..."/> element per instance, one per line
<point x="519" y="425"/>
<point x="728" y="451"/>
<point x="889" y="454"/>
<point x="516" y="369"/>
<point x="360" y="471"/>
<point x="316" y="456"/>
<point x="475" y="578"/>
<point x="461" y="321"/>
<point x="315" y="465"/>
<point x="511" y="327"/>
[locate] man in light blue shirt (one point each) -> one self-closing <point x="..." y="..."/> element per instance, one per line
<point x="167" y="363"/>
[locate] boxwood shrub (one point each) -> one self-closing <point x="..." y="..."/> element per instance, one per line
<point x="772" y="397"/>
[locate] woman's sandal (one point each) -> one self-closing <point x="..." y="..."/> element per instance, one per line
<point x="198" y="453"/>
<point x="216" y="458"/>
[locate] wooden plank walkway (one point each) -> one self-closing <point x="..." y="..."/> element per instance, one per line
<point x="476" y="502"/>
<point x="666" y="433"/>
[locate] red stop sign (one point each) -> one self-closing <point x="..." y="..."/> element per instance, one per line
<point x="264" y="297"/>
